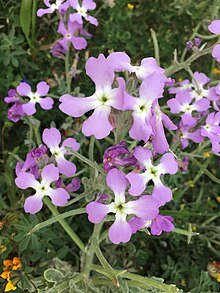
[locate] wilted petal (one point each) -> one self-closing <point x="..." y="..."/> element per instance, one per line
<point x="160" y="224"/>
<point x="137" y="224"/>
<point x="92" y="20"/>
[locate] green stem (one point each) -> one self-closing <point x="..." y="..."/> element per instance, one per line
<point x="90" y="250"/>
<point x="85" y="160"/>
<point x="207" y="172"/>
<point x="77" y="198"/>
<point x="207" y="37"/>
<point x="56" y="219"/>
<point x="187" y="214"/>
<point x="67" y="69"/>
<point x="91" y="155"/>
<point x="156" y="47"/>
<point x="64" y="224"/>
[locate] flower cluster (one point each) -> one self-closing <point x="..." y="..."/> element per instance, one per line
<point x="9" y="267"/>
<point x="198" y="105"/>
<point x="22" y="107"/>
<point x="70" y="24"/>
<point x="40" y="170"/>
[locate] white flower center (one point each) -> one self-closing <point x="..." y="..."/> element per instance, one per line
<point x="34" y="97"/>
<point x="82" y="11"/>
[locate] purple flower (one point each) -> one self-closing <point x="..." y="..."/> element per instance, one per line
<point x="42" y="89"/>
<point x="139" y="181"/>
<point x="15" y="112"/>
<point x="157" y="225"/>
<point x="101" y="101"/>
<point x="70" y="35"/>
<point x="183" y="85"/>
<point x="151" y="89"/>
<point x="52" y="138"/>
<point x="189" y="45"/>
<point x="214" y="28"/>
<point x="186" y="134"/>
<point x="120" y="61"/>
<point x="58" y="50"/>
<point x="118" y="155"/>
<point x="33" y="204"/>
<point x="60" y="5"/>
<point x="183" y="102"/>
<point x="73" y="186"/>
<point x="158" y="121"/>
<point x="32" y="160"/>
<point x="12" y="97"/>
<point x="212" y="131"/>
<point x="145" y="208"/>
<point x="199" y="91"/>
<point x="183" y="164"/>
<point x="82" y="11"/>
<point x="197" y="42"/>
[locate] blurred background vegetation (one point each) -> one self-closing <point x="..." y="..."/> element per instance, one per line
<point x="124" y="26"/>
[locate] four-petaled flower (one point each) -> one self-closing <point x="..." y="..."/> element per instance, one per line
<point x="52" y="138"/>
<point x="82" y="11"/>
<point x="34" y="203"/>
<point x="139" y="181"/>
<point x="29" y="108"/>
<point x="59" y="5"/>
<point x="101" y="101"/>
<point x="145" y="208"/>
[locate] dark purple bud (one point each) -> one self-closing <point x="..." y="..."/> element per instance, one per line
<point x="189" y="45"/>
<point x="15" y="112"/>
<point x="73" y="186"/>
<point x="38" y="152"/>
<point x="197" y="42"/>
<point x="58" y="50"/>
<point x="183" y="164"/>
<point x="12" y="97"/>
<point x="102" y="197"/>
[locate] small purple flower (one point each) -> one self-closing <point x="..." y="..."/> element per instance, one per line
<point x="42" y="89"/>
<point x="118" y="155"/>
<point x="183" y="85"/>
<point x="101" y="101"/>
<point x="189" y="45"/>
<point x="197" y="42"/>
<point x="151" y="90"/>
<point x="73" y="186"/>
<point x="52" y="138"/>
<point x="157" y="225"/>
<point x="60" y="5"/>
<point x="214" y="28"/>
<point x="199" y="91"/>
<point x="15" y="112"/>
<point x="186" y="134"/>
<point x="183" y="102"/>
<point x="49" y="174"/>
<point x="31" y="162"/>
<point x="70" y="35"/>
<point x="145" y="208"/>
<point x="82" y="11"/>
<point x="102" y="197"/>
<point x="212" y="131"/>
<point x="58" y="50"/>
<point x="139" y="181"/>
<point x="12" y="97"/>
<point x="183" y="164"/>
<point x="120" y="61"/>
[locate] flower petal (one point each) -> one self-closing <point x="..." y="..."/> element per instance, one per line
<point x="51" y="137"/>
<point x="120" y="231"/>
<point x="214" y="27"/>
<point x="49" y="174"/>
<point x="71" y="143"/>
<point x="46" y="103"/>
<point x="65" y="167"/>
<point x="162" y="194"/>
<point x="138" y="183"/>
<point x="29" y="108"/>
<point x="59" y="196"/>
<point x="169" y="164"/>
<point x="116" y="180"/>
<point x="23" y="89"/>
<point x="98" y="123"/>
<point x="33" y="204"/>
<point x="216" y="53"/>
<point x="96" y="212"/>
<point x="26" y="180"/>
<point x="89" y="4"/>
<point x="42" y="88"/>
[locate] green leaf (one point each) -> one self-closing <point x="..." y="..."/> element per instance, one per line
<point x="53" y="275"/>
<point x="25" y="17"/>
<point x="24" y="244"/>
